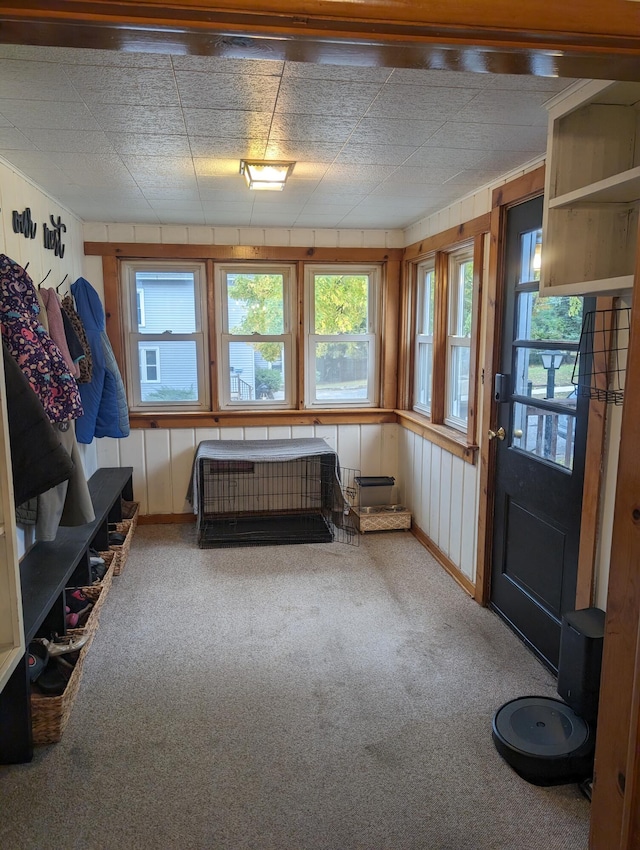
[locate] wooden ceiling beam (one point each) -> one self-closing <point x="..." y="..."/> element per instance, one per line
<point x="531" y="37"/>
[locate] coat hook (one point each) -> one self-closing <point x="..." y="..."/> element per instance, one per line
<point x="61" y="282"/>
<point x="27" y="265"/>
<point x="44" y="278"/>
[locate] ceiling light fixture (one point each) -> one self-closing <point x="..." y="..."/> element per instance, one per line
<point x="262" y="174"/>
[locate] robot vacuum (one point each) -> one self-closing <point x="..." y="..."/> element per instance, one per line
<point x="544" y="740"/>
<point x="548" y="741"/>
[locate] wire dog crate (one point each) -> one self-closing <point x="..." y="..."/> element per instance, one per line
<point x="263" y="499"/>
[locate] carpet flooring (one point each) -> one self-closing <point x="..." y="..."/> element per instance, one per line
<point x="304" y="697"/>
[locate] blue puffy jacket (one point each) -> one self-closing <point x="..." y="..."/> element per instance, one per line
<point x="106" y="413"/>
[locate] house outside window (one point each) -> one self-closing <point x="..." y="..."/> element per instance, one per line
<point x="166" y="335"/>
<point x="342" y="336"/>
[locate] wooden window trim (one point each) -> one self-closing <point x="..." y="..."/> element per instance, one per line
<point x="389" y="260"/>
<point x="461" y="443"/>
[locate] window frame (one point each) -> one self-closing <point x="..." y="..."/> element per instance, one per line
<point x="133" y="338"/>
<point x="156" y="365"/>
<point x="224" y="336"/>
<point x="455" y="341"/>
<point x="371" y="337"/>
<point x="471" y="237"/>
<point x="425" y="321"/>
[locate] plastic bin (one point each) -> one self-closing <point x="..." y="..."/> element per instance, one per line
<point x="375" y="490"/>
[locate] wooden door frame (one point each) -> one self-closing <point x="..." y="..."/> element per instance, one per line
<point x="505" y="197"/>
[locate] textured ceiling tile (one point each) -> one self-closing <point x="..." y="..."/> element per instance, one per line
<point x="69" y="141"/>
<point x="118" y="58"/>
<point x="433" y="104"/>
<point x="29" y="160"/>
<point x="139" y="119"/>
<point x="211" y="146"/>
<point x="222" y="184"/>
<point x="521" y="82"/>
<point x="347" y="73"/>
<point x="51" y="115"/>
<point x="431" y="175"/>
<point x="149" y="144"/>
<point x="440" y="78"/>
<point x="228" y="218"/>
<point x="34" y="81"/>
<point x="506" y="107"/>
<point x="227" y="123"/>
<point x="177" y="217"/>
<point x="12" y="139"/>
<point x="225" y="91"/>
<point x="167" y="206"/>
<point x="205" y="167"/>
<point x="368" y="154"/>
<point x="356" y="173"/>
<point x="87" y="169"/>
<point x="311" y="128"/>
<point x="310" y="151"/>
<point x="395" y="131"/>
<point x="217" y="65"/>
<point x="325" y="97"/>
<point x="432" y="157"/>
<point x="137" y="86"/>
<point x="156" y="193"/>
<point x="487" y="137"/>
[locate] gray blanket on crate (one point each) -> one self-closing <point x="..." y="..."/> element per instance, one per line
<point x="262" y="451"/>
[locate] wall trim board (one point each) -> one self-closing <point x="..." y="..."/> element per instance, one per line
<point x="517" y="191"/>
<point x="229" y="253"/>
<point x="166" y="519"/>
<point x="260" y="418"/>
<point x="452" y="441"/>
<point x="448" y="239"/>
<point x="443" y="560"/>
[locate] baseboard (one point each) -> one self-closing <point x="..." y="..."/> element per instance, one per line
<point x="156" y="519"/>
<point x="444" y="561"/>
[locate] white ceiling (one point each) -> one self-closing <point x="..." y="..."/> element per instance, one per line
<point x="154" y="138"/>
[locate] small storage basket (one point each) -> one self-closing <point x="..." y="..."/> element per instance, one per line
<point x="122" y="552"/>
<point x="109" y="558"/>
<point x="97" y="595"/>
<point x="50" y="714"/>
<point x="130" y="510"/>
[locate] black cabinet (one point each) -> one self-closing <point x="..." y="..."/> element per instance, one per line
<point x="45" y="571"/>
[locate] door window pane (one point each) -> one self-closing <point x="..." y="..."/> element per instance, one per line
<point x="425" y="372"/>
<point x="553" y="318"/>
<point x="545" y="374"/>
<point x="550" y="436"/>
<point x="530" y="255"/>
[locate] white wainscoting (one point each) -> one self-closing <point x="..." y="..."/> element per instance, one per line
<point x="162" y="459"/>
<point x="442" y="493"/>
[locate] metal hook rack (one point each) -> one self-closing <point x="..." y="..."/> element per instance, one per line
<point x="44" y="278"/>
<point x="61" y="282"/>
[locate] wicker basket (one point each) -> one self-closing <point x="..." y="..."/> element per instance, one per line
<point x="49" y="714"/>
<point x="109" y="558"/>
<point x="97" y="595"/>
<point x="122" y="552"/>
<point x="130" y="510"/>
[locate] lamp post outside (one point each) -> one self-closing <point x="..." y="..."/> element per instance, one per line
<point x="551" y="361"/>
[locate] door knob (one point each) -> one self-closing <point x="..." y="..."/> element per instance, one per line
<point x="500" y="433"/>
<point x="517" y="433"/>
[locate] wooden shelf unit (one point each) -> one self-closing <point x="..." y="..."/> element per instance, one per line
<point x="45" y="571"/>
<point x="592" y="190"/>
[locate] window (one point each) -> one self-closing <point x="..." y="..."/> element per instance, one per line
<point x="459" y="338"/>
<point x="424" y="336"/>
<point x="444" y="347"/>
<point x="255" y="336"/>
<point x="166" y="336"/>
<point x="342" y="325"/>
<point x="149" y="365"/>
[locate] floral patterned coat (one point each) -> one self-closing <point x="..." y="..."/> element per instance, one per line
<point x="31" y="346"/>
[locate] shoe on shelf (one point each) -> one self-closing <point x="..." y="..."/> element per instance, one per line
<point x="71" y="618"/>
<point x="37" y="659"/>
<point x="98" y="572"/>
<point x="63" y="645"/>
<point x="116" y="538"/>
<point x="77" y="600"/>
<point x="95" y="560"/>
<point x="53" y="680"/>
